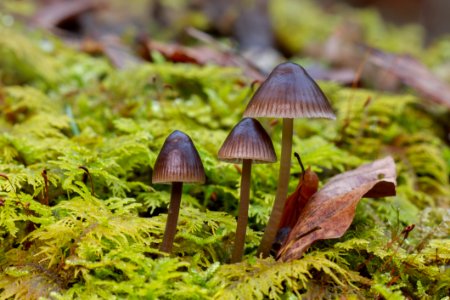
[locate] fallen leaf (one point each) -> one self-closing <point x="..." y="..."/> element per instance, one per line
<point x="307" y="186"/>
<point x="195" y="55"/>
<point x="202" y="55"/>
<point x="53" y="14"/>
<point x="329" y="212"/>
<point x="414" y="74"/>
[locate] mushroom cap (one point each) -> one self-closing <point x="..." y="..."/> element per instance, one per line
<point x="178" y="161"/>
<point x="248" y="140"/>
<point x="289" y="92"/>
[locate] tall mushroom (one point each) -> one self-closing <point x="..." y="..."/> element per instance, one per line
<point x="177" y="162"/>
<point x="248" y="142"/>
<point x="288" y="93"/>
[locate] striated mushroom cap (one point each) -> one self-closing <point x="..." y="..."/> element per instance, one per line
<point x="248" y="140"/>
<point x="289" y="92"/>
<point x="178" y="161"/>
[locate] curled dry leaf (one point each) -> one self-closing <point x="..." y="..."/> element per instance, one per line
<point x="98" y="37"/>
<point x="202" y="55"/>
<point x="194" y="55"/>
<point x="307" y="186"/>
<point x="329" y="212"/>
<point x="53" y="14"/>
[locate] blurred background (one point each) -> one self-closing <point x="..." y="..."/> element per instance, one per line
<point x="378" y="44"/>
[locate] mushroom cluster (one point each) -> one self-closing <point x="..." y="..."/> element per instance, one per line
<point x="287" y="93"/>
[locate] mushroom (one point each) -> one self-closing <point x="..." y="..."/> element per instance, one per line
<point x="248" y="142"/>
<point x="288" y="93"/>
<point x="177" y="162"/>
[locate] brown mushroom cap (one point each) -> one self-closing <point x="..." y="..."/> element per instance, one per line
<point x="178" y="161"/>
<point x="289" y="92"/>
<point x="248" y="140"/>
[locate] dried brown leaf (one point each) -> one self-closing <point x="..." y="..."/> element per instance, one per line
<point x="53" y="14"/>
<point x="203" y="55"/>
<point x="306" y="188"/>
<point x="345" y="76"/>
<point x="329" y="212"/>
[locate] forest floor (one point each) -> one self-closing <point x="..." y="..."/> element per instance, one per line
<point x="85" y="110"/>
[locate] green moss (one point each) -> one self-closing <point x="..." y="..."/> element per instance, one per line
<point x="102" y="240"/>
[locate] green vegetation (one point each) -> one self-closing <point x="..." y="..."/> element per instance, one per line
<point x="96" y="132"/>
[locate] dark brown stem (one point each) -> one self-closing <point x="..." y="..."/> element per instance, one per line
<point x="172" y="217"/>
<point x="282" y="190"/>
<point x="88" y="174"/>
<point x="45" y="197"/>
<point x="239" y="241"/>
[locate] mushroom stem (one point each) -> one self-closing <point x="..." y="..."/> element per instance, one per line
<point x="239" y="241"/>
<point x="282" y="190"/>
<point x="172" y="217"/>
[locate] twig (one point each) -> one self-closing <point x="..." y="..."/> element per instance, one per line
<point x="300" y="163"/>
<point x="45" y="198"/>
<point x="88" y="174"/>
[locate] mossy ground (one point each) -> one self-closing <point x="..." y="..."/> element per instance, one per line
<point x="62" y="110"/>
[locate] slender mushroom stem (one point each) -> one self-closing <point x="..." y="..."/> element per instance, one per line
<point x="172" y="217"/>
<point x="282" y="190"/>
<point x="239" y="241"/>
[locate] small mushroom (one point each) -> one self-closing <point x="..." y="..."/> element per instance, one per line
<point x="248" y="142"/>
<point x="288" y="93"/>
<point x="177" y="162"/>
